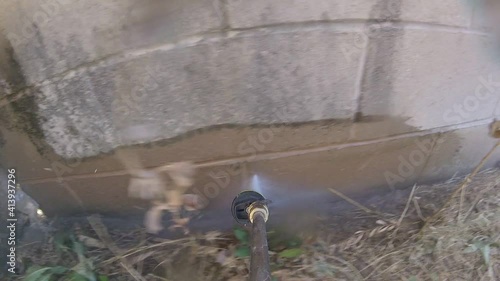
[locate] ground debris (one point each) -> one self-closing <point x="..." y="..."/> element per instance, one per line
<point x="390" y="249"/>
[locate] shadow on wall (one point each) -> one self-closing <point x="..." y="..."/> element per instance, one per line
<point x="378" y="73"/>
<point x="20" y="112"/>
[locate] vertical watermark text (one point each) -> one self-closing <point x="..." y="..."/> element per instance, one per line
<point x="11" y="220"/>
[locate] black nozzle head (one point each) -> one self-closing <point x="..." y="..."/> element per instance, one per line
<point x="240" y="204"/>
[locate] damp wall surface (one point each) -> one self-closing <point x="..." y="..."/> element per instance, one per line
<point x="361" y="96"/>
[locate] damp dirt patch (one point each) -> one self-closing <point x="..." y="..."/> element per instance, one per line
<point x="422" y="233"/>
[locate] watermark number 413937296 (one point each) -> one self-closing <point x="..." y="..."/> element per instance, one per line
<point x="11" y="220"/>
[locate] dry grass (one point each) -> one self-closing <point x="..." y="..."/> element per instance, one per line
<point x="460" y="243"/>
<point x="450" y="248"/>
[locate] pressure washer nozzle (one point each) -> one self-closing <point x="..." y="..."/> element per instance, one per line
<point x="250" y="208"/>
<point x="258" y="208"/>
<point x="247" y="205"/>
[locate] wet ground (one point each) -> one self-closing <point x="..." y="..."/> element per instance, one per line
<point x="303" y="215"/>
<point x="347" y="223"/>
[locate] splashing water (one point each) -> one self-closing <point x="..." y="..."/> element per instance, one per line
<point x="283" y="194"/>
<point x="255" y="184"/>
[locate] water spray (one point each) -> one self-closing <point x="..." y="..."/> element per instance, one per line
<point x="249" y="209"/>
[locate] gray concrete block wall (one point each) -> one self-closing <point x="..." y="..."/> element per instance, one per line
<point x="380" y="72"/>
<point x="240" y="80"/>
<point x="53" y="36"/>
<point x="247" y="14"/>
<point x="433" y="78"/>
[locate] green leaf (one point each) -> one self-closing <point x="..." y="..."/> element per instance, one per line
<point x="46" y="277"/>
<point x="36" y="273"/>
<point x="274" y="266"/>
<point x="63" y="242"/>
<point x="485" y="248"/>
<point x="85" y="269"/>
<point x="58" y="270"/>
<point x="470" y="249"/>
<point x="486" y="254"/>
<point x="280" y="240"/>
<point x="79" y="248"/>
<point x="242" y="252"/>
<point x="294" y="242"/>
<point x="241" y="235"/>
<point x="290" y="253"/>
<point x="76" y="277"/>
<point x="413" y="278"/>
<point x="103" y="278"/>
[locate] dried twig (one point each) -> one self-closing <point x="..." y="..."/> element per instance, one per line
<point x="103" y="234"/>
<point x="417" y="208"/>
<point x="469" y="178"/>
<point x="403" y="215"/>
<point x="148" y="247"/>
<point x="349" y="265"/>
<point x="352" y="202"/>
<point x="460" y="189"/>
<point x="476" y="201"/>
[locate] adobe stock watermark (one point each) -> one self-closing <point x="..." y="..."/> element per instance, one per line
<point x="408" y="165"/>
<point x="250" y="147"/>
<point x="11" y="220"/>
<point x="486" y="92"/>
<point x="221" y="177"/>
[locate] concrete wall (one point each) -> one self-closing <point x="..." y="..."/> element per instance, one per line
<point x="316" y="93"/>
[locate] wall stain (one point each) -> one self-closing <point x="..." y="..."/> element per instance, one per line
<point x="378" y="75"/>
<point x="22" y="115"/>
